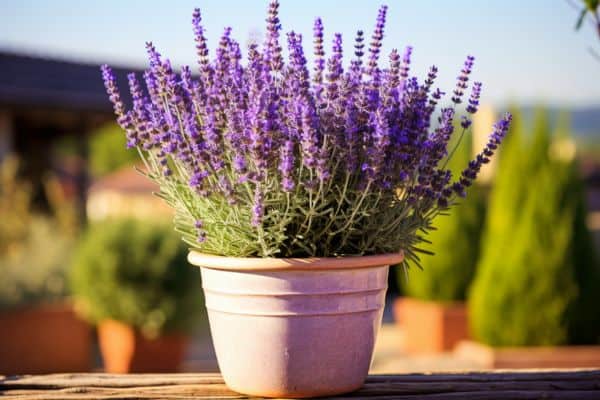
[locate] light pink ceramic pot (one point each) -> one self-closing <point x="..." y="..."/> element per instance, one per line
<point x="294" y="327"/>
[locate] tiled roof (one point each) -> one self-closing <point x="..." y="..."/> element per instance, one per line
<point x="46" y="83"/>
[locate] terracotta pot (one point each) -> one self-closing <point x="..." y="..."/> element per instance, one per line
<point x="294" y="327"/>
<point x="429" y="326"/>
<point x="124" y="349"/>
<point x="44" y="339"/>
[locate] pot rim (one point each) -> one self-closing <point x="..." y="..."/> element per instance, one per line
<point x="292" y="264"/>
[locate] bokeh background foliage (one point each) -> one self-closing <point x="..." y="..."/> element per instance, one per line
<point x="35" y="246"/>
<point x="136" y="272"/>
<point x="538" y="281"/>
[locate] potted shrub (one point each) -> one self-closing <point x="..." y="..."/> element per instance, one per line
<point x="433" y="312"/>
<point x="40" y="331"/>
<point x="132" y="280"/>
<point x="543" y="292"/>
<point x="295" y="193"/>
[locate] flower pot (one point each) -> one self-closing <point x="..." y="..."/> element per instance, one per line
<point x="124" y="349"/>
<point x="43" y="339"/>
<point x="430" y="326"/>
<point x="294" y="327"/>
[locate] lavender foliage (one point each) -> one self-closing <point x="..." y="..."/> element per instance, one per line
<point x="265" y="159"/>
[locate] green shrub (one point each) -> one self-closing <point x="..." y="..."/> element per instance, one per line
<point x="15" y="207"/>
<point x="108" y="152"/>
<point x="35" y="248"/>
<point x="136" y="272"/>
<point x="538" y="281"/>
<point x="36" y="273"/>
<point x="446" y="275"/>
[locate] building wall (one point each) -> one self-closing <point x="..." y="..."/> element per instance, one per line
<point x="6" y="133"/>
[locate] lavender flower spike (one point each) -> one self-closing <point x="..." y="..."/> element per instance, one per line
<point x="286" y="166"/>
<point x="258" y="207"/>
<point x="124" y="118"/>
<point x="462" y="80"/>
<point x="376" y="39"/>
<point x="110" y="83"/>
<point x="273" y="55"/>
<point x="474" y="99"/>
<point x="319" y="51"/>
<point x="470" y="173"/>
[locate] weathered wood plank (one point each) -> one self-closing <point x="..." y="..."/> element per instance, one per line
<point x="495" y="375"/>
<point x="487" y="395"/>
<point x="107" y="380"/>
<point x="369" y="389"/>
<point x="119" y="380"/>
<point x="533" y="384"/>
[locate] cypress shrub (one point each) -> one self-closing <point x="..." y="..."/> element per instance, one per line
<point x="538" y="281"/>
<point x="446" y="275"/>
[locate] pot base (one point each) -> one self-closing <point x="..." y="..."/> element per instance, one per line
<point x="295" y="333"/>
<point x="294" y="357"/>
<point x="298" y="395"/>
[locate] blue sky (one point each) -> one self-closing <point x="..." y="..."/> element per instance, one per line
<point x="527" y="51"/>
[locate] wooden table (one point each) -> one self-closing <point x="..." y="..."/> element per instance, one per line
<point x="533" y="384"/>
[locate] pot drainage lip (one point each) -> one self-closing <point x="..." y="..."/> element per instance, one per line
<point x="250" y="264"/>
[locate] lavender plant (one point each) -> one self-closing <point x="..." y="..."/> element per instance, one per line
<point x="266" y="159"/>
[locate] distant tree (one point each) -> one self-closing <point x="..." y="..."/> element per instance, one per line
<point x="107" y="150"/>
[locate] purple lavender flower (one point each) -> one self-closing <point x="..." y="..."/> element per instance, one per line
<point x="359" y="47"/>
<point x="124" y="118"/>
<point x="300" y="83"/>
<point x="309" y="140"/>
<point x="140" y="113"/>
<point x="380" y="143"/>
<point x="258" y="138"/>
<point x="474" y="99"/>
<point x="376" y="40"/>
<point x="152" y="86"/>
<point x="462" y="80"/>
<point x="110" y="83"/>
<point x="286" y="166"/>
<point x="394" y="72"/>
<point x="351" y="137"/>
<point x="469" y="174"/>
<point x="198" y="178"/>
<point x="240" y="164"/>
<point x="235" y="136"/>
<point x="201" y="236"/>
<point x="405" y="67"/>
<point x="319" y="51"/>
<point x="431" y="76"/>
<point x="258" y="207"/>
<point x="201" y="48"/>
<point x="273" y="57"/>
<point x="335" y="69"/>
<point x="465" y="122"/>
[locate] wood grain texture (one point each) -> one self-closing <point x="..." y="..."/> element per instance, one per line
<point x="576" y="384"/>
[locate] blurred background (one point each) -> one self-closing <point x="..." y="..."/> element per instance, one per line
<point x="92" y="276"/>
